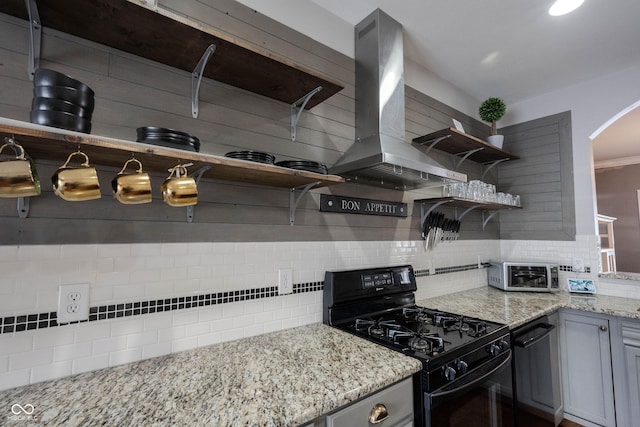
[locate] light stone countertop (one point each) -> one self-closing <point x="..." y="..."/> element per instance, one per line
<point x="518" y="308"/>
<point x="284" y="378"/>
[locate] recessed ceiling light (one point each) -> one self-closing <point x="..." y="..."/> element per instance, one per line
<point x="562" y="7"/>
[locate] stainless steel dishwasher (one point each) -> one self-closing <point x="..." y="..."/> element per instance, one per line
<point x="536" y="373"/>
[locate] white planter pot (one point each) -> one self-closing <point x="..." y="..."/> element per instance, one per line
<point x="496" y="140"/>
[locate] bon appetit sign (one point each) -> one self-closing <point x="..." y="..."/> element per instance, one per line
<point x="353" y="205"/>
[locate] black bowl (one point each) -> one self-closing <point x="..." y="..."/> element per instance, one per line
<point x="52" y="104"/>
<point x="61" y="120"/>
<point x="66" y="93"/>
<point x="147" y="130"/>
<point x="45" y="77"/>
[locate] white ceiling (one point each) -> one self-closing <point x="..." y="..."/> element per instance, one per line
<point x="515" y="50"/>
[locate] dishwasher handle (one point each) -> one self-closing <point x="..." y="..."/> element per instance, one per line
<point x="532" y="335"/>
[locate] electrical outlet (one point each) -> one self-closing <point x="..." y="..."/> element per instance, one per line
<point x="73" y="303"/>
<point x="285" y="281"/>
<point x="578" y="264"/>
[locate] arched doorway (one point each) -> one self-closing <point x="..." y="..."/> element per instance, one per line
<point x="616" y="154"/>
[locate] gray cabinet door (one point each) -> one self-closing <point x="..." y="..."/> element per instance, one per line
<point x="632" y="356"/>
<point x="586" y="368"/>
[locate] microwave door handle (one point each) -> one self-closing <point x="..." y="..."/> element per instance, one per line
<point x="443" y="394"/>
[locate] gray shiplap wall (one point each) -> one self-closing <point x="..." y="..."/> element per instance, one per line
<point x="133" y="92"/>
<point x="543" y="177"/>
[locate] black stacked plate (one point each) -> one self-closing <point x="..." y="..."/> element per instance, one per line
<point x="167" y="138"/>
<point x="252" y="156"/>
<point x="305" y="165"/>
<point x="61" y="101"/>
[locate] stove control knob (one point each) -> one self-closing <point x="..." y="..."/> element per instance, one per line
<point x="449" y="373"/>
<point x="503" y="345"/>
<point x="495" y="349"/>
<point x="462" y="366"/>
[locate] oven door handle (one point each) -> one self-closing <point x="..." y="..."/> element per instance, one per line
<point x="474" y="378"/>
<point x="524" y="340"/>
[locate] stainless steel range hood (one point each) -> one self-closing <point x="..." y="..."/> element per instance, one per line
<point x="380" y="155"/>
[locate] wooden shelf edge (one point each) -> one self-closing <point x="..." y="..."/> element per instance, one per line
<point x="488" y="150"/>
<point x="457" y="202"/>
<point x="135" y="27"/>
<point x="51" y="143"/>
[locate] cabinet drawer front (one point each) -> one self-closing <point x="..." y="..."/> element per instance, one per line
<point x="398" y="400"/>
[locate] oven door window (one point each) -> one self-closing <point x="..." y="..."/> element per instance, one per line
<point x="484" y="399"/>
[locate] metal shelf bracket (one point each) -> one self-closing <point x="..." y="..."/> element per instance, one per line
<point x="465" y="155"/>
<point x="466" y="211"/>
<point x="23" y="207"/>
<point x="433" y="142"/>
<point x="293" y="201"/>
<point x="196" y="80"/>
<point x="492" y="165"/>
<point x="35" y="37"/>
<point x="486" y="217"/>
<point x="424" y="215"/>
<point x="298" y="107"/>
<point x="197" y="174"/>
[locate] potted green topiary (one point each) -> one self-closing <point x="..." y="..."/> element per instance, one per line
<point x="492" y="110"/>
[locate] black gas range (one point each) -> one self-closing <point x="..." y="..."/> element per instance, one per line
<point x="459" y="354"/>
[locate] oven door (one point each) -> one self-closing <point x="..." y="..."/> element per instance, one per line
<point x="482" y="398"/>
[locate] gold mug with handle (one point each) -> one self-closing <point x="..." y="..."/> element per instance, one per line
<point x="179" y="190"/>
<point x="133" y="188"/>
<point x="76" y="184"/>
<point x="18" y="176"/>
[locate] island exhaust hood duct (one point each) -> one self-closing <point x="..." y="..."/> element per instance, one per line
<point x="380" y="155"/>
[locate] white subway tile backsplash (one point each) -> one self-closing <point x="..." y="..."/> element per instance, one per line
<point x="128" y="355"/>
<point x="51" y="371"/>
<point x="15" y="378"/>
<point x="79" y="252"/>
<point x="71" y="351"/>
<point x="146" y="249"/>
<point x="114" y="251"/>
<point x="155" y="350"/>
<point x="107" y="345"/>
<point x="92" y="363"/>
<point x="125" y="273"/>
<point x="54" y="337"/>
<point x="171" y="334"/>
<point x="88" y="332"/>
<point x="210" y="339"/>
<point x="184" y="344"/>
<point x="186" y="317"/>
<point x="127" y="326"/>
<point x="197" y="329"/>
<point x="29" y="359"/>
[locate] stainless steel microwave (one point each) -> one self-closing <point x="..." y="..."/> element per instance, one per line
<point x="523" y="276"/>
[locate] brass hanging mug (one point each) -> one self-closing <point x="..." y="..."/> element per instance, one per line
<point x="179" y="190"/>
<point x="76" y="184"/>
<point x="132" y="188"/>
<point x="18" y="176"/>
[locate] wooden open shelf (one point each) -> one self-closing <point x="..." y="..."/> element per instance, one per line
<point x="43" y="142"/>
<point x="459" y="143"/>
<point x="457" y="202"/>
<point x="163" y="36"/>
